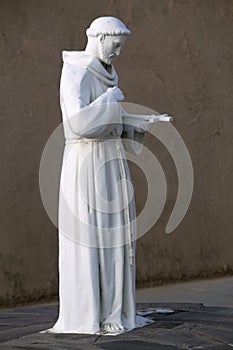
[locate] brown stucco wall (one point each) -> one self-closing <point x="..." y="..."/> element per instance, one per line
<point x="177" y="60"/>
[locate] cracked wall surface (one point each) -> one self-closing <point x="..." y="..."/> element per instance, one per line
<point x="178" y="60"/>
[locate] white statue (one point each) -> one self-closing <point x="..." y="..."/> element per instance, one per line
<point x="97" y="219"/>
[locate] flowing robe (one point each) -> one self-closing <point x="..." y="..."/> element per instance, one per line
<point x="97" y="220"/>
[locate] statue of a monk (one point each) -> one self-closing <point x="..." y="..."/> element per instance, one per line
<point x="97" y="220"/>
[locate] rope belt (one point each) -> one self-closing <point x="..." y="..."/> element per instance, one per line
<point x="87" y="140"/>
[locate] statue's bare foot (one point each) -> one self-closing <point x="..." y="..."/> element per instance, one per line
<point x="112" y="328"/>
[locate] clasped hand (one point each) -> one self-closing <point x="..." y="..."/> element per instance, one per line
<point x="117" y="93"/>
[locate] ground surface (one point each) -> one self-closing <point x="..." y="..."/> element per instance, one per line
<point x="211" y="292"/>
<point x="194" y="324"/>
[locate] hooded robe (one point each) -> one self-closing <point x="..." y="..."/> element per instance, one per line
<point x="97" y="219"/>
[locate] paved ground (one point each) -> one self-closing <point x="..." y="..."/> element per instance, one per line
<point x="190" y="326"/>
<point x="211" y="292"/>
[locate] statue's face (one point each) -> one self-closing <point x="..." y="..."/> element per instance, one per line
<point x="110" y="46"/>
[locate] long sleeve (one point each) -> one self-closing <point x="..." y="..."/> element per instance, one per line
<point x="84" y="114"/>
<point x="133" y="141"/>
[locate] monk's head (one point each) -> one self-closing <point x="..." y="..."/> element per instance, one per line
<point x="106" y="36"/>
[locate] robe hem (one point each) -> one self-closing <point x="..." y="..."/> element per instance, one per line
<point x="141" y="322"/>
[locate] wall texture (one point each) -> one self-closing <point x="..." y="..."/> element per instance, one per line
<point x="177" y="60"/>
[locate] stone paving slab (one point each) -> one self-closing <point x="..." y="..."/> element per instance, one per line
<point x="191" y="326"/>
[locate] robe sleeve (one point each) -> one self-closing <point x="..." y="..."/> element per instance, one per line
<point x="83" y="115"/>
<point x="133" y="140"/>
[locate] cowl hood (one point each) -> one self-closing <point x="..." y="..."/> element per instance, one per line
<point x="82" y="60"/>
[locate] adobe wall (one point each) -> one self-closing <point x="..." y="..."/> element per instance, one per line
<point x="178" y="60"/>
